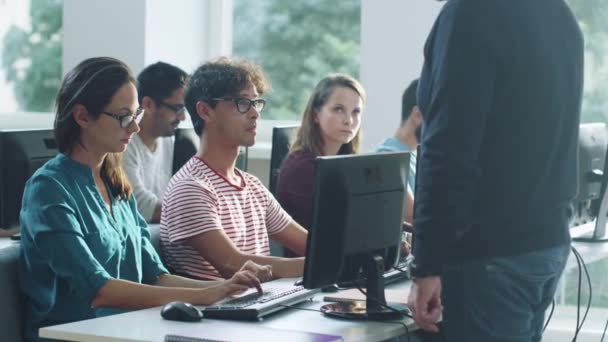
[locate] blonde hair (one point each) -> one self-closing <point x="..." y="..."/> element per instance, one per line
<point x="308" y="137"/>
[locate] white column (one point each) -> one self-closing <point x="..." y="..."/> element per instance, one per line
<point x="111" y="28"/>
<point x="392" y="39"/>
<point x="140" y="32"/>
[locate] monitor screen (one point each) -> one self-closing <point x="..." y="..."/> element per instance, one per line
<point x="357" y="220"/>
<point x="22" y="152"/>
<point x="592" y="153"/>
<point x="590" y="206"/>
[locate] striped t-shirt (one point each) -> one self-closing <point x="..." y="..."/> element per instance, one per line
<point x="198" y="200"/>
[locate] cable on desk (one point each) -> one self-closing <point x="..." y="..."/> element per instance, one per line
<point x="404" y="312"/>
<point x="399" y="269"/>
<point x="604" y="333"/>
<point x="297" y="308"/>
<point x="581" y="267"/>
<point x="550" y="315"/>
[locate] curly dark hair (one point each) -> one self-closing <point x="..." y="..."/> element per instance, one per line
<point x="220" y="78"/>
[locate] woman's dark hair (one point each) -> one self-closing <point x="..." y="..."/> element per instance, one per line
<point x="92" y="83"/>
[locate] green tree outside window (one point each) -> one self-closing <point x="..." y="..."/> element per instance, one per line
<point x="32" y="58"/>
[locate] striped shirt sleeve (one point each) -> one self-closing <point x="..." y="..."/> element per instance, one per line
<point x="191" y="209"/>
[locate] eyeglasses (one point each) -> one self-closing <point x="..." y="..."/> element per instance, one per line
<point x="177" y="108"/>
<point x="125" y="120"/>
<point x="243" y="105"/>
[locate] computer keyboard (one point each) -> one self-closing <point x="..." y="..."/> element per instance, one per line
<point x="254" y="305"/>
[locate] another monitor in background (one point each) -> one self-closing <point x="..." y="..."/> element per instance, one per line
<point x="282" y="138"/>
<point x="590" y="205"/>
<point x="356" y="228"/>
<point x="22" y="152"/>
<point x="187" y="144"/>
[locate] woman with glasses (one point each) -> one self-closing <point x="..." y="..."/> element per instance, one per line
<point x="85" y="250"/>
<point x="330" y="126"/>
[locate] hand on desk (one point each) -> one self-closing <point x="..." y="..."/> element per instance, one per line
<point x="8" y="232"/>
<point x="240" y="282"/>
<point x="262" y="272"/>
<point x="425" y="302"/>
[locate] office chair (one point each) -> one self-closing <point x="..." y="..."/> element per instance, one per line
<point x="282" y="138"/>
<point x="242" y="158"/>
<point x="186" y="145"/>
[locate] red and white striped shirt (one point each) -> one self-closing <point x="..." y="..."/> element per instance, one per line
<point x="198" y="200"/>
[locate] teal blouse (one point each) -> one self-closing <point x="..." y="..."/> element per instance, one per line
<point x="71" y="245"/>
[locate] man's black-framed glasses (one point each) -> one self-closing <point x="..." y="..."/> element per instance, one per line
<point x="125" y="120"/>
<point x="243" y="105"/>
<point x="177" y="108"/>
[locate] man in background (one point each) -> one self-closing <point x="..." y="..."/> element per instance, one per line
<point x="149" y="159"/>
<point x="406" y="139"/>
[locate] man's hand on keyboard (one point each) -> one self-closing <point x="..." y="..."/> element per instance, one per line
<point x="243" y="278"/>
<point x="263" y="272"/>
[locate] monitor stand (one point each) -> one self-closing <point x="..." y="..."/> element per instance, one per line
<point x="590" y="232"/>
<point x="375" y="306"/>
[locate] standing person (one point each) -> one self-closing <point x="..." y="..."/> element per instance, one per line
<point x="148" y="162"/>
<point x="330" y="126"/>
<point x="500" y="94"/>
<point x="406" y="139"/>
<point x="215" y="217"/>
<point x="84" y="246"/>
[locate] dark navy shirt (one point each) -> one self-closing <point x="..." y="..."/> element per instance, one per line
<point x="500" y="93"/>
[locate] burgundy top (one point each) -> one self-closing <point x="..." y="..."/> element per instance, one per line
<point x="294" y="189"/>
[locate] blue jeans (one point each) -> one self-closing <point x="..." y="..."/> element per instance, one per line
<point x="500" y="299"/>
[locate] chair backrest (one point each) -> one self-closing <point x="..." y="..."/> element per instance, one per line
<point x="187" y="144"/>
<point x="11" y="310"/>
<point x="242" y="158"/>
<point x="22" y="152"/>
<point x="282" y="138"/>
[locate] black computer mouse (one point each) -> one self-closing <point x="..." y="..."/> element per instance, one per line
<point x="330" y="288"/>
<point x="181" y="311"/>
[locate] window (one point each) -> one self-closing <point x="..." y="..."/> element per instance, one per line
<point x="297" y="43"/>
<point x="30" y="69"/>
<point x="592" y="16"/>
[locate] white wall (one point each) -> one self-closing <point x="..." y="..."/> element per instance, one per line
<point x="179" y="32"/>
<point x="141" y="32"/>
<point x="392" y="39"/>
<point x="112" y="28"/>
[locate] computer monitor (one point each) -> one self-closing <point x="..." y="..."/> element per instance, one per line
<point x="356" y="228"/>
<point x="22" y="152"/>
<point x="591" y="203"/>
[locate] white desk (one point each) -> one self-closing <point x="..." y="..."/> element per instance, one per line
<point x="147" y="325"/>
<point x="6" y="241"/>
